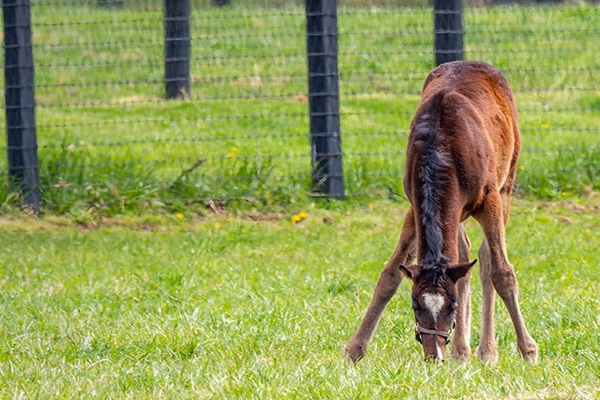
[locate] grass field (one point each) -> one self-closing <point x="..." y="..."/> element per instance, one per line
<point x="147" y="280"/>
<point x="110" y="142"/>
<point x="256" y="306"/>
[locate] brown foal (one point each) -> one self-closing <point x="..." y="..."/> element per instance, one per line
<point x="461" y="161"/>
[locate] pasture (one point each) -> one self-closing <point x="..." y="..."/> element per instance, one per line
<point x="236" y="305"/>
<point x="131" y="287"/>
<point x="109" y="142"/>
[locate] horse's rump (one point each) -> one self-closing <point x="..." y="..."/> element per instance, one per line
<point x="464" y="138"/>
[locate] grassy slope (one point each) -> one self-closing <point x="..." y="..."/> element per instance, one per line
<point x="229" y="307"/>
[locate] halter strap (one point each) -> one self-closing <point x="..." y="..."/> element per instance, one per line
<point x="420" y="330"/>
<point x="444" y="334"/>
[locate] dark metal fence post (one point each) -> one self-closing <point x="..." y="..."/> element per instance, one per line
<point x="19" y="98"/>
<point x="448" y="30"/>
<point x="323" y="97"/>
<point x="177" y="48"/>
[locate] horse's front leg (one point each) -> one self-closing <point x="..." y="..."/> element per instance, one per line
<point x="461" y="347"/>
<point x="388" y="283"/>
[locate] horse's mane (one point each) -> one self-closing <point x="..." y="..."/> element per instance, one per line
<point x="435" y="269"/>
<point x="432" y="165"/>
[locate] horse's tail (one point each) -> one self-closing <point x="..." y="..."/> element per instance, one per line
<point x="428" y="120"/>
<point x="435" y="102"/>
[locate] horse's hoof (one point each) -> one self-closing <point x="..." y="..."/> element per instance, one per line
<point x="530" y="354"/>
<point x="487" y="355"/>
<point x="355" y="352"/>
<point x="461" y="354"/>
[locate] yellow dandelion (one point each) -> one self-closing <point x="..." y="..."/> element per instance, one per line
<point x="564" y="194"/>
<point x="179" y="216"/>
<point x="301" y="216"/>
<point x="218" y="225"/>
<point x="232" y="152"/>
<point x="521" y="167"/>
<point x="371" y="206"/>
<point x="544" y="126"/>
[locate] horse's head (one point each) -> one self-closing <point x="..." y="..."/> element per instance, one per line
<point x="434" y="302"/>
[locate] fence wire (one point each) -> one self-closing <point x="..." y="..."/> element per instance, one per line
<point x="106" y="132"/>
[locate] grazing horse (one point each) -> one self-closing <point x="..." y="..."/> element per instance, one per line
<point x="461" y="161"/>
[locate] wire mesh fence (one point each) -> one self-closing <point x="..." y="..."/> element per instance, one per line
<point x="109" y="138"/>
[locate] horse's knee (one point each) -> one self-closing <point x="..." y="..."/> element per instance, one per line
<point x="504" y="280"/>
<point x="388" y="282"/>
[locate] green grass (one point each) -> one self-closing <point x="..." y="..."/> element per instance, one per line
<point x="130" y="288"/>
<point x="255" y="306"/>
<point x="110" y="143"/>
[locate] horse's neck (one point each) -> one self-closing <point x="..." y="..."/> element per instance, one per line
<point x="437" y="242"/>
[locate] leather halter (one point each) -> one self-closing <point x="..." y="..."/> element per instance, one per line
<point x="420" y="330"/>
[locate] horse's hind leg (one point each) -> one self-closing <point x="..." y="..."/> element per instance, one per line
<point x="487" y="349"/>
<point x="461" y="348"/>
<point x="501" y="272"/>
<point x="388" y="283"/>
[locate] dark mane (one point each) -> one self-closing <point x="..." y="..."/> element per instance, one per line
<point x="431" y="174"/>
<point x="435" y="269"/>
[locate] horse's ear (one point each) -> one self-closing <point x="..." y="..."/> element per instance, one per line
<point x="411" y="271"/>
<point x="459" y="270"/>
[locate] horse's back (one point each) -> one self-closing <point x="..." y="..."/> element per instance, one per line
<point x="478" y="116"/>
<point x="482" y="84"/>
<point x="468" y="114"/>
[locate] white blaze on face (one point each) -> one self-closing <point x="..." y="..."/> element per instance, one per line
<point x="434" y="303"/>
<point x="440" y="355"/>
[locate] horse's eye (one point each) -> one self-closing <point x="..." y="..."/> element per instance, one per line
<point x="415" y="305"/>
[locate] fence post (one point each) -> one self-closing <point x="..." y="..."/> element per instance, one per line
<point x="177" y="48"/>
<point x="448" y="31"/>
<point x="19" y="98"/>
<point x="323" y="97"/>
